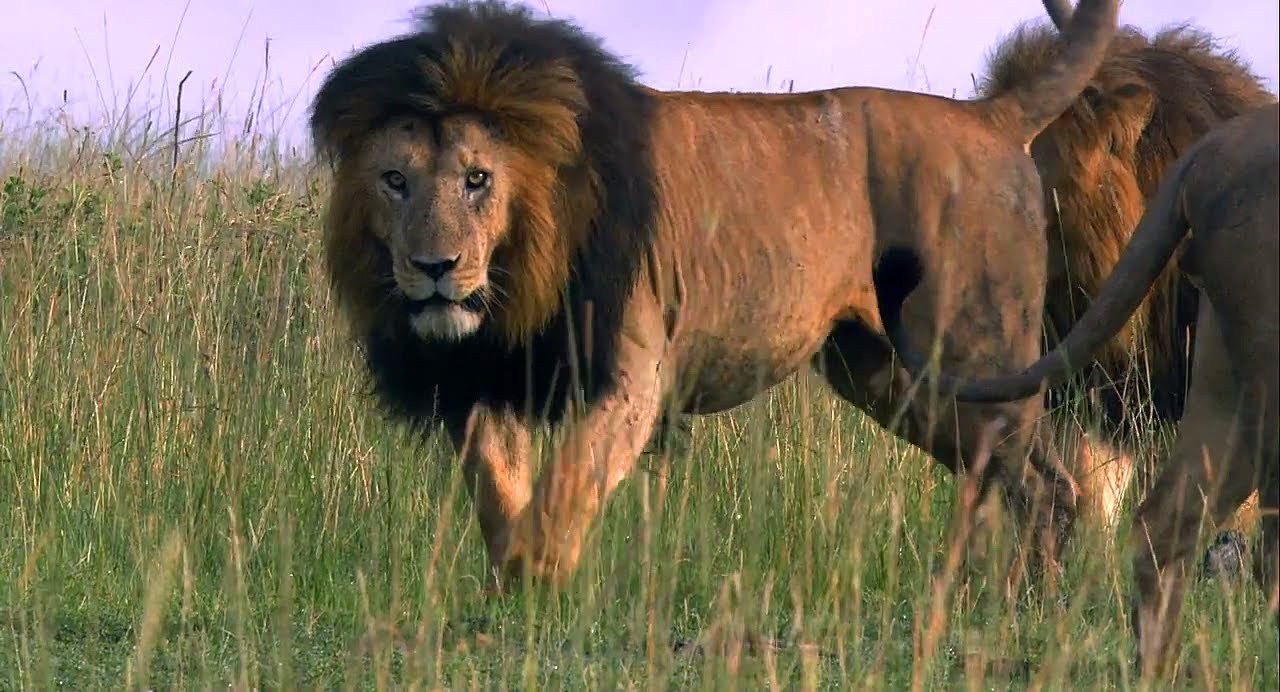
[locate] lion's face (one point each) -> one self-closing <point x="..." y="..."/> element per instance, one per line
<point x="440" y="198"/>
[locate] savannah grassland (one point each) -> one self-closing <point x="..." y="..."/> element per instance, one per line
<point x="198" y="492"/>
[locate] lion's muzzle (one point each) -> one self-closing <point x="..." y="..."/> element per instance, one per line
<point x="434" y="267"/>
<point x="473" y="302"/>
<point x="439" y="303"/>
<point x="437" y="318"/>
<point x="422" y="277"/>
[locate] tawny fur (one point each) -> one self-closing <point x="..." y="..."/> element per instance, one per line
<point x="1100" y="162"/>
<point x="1224" y="193"/>
<point x="522" y="233"/>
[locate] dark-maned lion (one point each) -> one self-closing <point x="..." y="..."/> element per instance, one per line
<point x="520" y="232"/>
<point x="1099" y="162"/>
<point x="1225" y="191"/>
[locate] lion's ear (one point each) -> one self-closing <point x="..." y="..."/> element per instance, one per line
<point x="1131" y="103"/>
<point x="1123" y="113"/>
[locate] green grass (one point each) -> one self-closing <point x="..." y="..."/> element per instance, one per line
<point x="198" y="492"/>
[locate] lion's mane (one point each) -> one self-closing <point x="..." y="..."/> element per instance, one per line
<point x="582" y="214"/>
<point x="1195" y="84"/>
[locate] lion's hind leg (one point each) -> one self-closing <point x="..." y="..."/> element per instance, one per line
<point x="1211" y="470"/>
<point x="858" y="365"/>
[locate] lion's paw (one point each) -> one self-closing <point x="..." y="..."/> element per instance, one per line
<point x="1225" y="558"/>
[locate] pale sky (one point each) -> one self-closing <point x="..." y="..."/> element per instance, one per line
<point x="86" y="46"/>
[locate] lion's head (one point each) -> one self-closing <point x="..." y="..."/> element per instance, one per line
<point x="492" y="175"/>
<point x="465" y="220"/>
<point x="1103" y="158"/>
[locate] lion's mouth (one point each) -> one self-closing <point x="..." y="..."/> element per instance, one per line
<point x="472" y="303"/>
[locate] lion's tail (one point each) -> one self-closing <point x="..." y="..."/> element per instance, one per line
<point x="1026" y="109"/>
<point x="1060" y="12"/>
<point x="1153" y="243"/>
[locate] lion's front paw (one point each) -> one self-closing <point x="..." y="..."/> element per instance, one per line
<point x="544" y="555"/>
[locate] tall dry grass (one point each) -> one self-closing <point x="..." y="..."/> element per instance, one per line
<point x="198" y="490"/>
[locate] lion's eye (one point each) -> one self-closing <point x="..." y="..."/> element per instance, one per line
<point x="394" y="180"/>
<point x="477" y="179"/>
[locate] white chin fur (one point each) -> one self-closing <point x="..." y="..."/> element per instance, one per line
<point x="444" y="323"/>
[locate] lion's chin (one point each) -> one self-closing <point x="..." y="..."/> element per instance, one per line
<point x="445" y="322"/>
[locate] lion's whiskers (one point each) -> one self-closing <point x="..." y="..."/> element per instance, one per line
<point x="490" y="302"/>
<point x="496" y="291"/>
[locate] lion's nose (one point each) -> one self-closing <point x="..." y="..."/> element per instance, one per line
<point x="432" y="266"/>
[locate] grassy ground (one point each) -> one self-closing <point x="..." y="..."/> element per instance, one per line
<point x="199" y="493"/>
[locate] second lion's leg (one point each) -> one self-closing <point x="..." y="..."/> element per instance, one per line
<point x="1203" y="474"/>
<point x="1211" y="469"/>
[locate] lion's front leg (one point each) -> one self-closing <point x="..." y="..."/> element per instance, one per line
<point x="494" y="447"/>
<point x="599" y="451"/>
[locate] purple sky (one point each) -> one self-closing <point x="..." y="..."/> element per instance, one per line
<point x="58" y="45"/>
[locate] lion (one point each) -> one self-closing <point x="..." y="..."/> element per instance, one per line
<point x="1100" y="162"/>
<point x="1224" y="192"/>
<point x="520" y="234"/>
